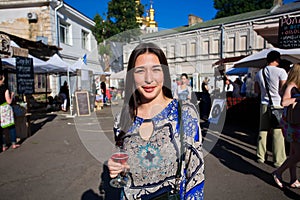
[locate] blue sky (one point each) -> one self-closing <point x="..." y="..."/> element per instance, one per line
<point x="168" y="14"/>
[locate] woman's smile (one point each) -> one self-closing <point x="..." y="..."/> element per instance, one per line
<point x="149" y="89"/>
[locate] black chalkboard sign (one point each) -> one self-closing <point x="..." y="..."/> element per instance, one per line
<point x="83" y="103"/>
<point x="25" y="75"/>
<point x="289" y="33"/>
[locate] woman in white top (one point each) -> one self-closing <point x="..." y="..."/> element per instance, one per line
<point x="183" y="91"/>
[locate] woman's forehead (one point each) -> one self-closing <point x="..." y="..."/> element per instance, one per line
<point x="146" y="58"/>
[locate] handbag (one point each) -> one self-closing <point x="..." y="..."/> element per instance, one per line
<point x="175" y="195"/>
<point x="275" y="113"/>
<point x="7" y="115"/>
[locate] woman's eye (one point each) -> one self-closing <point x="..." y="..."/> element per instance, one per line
<point x="157" y="69"/>
<point x="139" y="71"/>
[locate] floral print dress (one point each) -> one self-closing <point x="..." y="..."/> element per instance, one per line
<point x="153" y="163"/>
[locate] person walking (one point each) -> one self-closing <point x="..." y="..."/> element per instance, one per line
<point x="64" y="95"/>
<point x="291" y="131"/>
<point x="275" y="78"/>
<point x="174" y="86"/>
<point x="205" y="103"/>
<point x="183" y="91"/>
<point x="154" y="134"/>
<point x="7" y="115"/>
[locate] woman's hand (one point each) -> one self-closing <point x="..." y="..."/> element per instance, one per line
<point x="115" y="168"/>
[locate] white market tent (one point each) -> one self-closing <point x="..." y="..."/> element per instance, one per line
<point x="258" y="60"/>
<point x="61" y="65"/>
<point x="119" y="75"/>
<point x="39" y="66"/>
<point x="80" y="65"/>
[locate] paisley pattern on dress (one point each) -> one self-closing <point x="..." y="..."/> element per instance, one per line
<point x="154" y="162"/>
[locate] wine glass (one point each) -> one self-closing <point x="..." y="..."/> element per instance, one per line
<point x="121" y="156"/>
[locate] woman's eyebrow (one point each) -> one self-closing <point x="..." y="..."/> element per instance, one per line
<point x="157" y="65"/>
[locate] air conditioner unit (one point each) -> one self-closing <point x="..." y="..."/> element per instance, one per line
<point x="31" y="16"/>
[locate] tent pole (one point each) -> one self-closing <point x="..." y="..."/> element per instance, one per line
<point x="70" y="93"/>
<point x="46" y="89"/>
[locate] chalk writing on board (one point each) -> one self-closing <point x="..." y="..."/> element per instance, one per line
<point x="83" y="103"/>
<point x="289" y="33"/>
<point x="25" y="75"/>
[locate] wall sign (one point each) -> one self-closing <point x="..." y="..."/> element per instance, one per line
<point x="289" y="33"/>
<point x="25" y="75"/>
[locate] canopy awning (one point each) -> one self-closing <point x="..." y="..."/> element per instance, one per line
<point x="119" y="75"/>
<point x="258" y="60"/>
<point x="229" y="60"/>
<point x="61" y="66"/>
<point x="269" y="32"/>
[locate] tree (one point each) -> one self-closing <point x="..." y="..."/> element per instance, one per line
<point x="120" y="26"/>
<point x="120" y="18"/>
<point x="233" y="7"/>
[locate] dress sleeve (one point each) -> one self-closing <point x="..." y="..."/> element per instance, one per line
<point x="194" y="162"/>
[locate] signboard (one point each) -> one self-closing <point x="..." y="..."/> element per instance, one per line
<point x="82" y="103"/>
<point x="25" y="75"/>
<point x="289" y="33"/>
<point x="216" y="110"/>
<point x="19" y="52"/>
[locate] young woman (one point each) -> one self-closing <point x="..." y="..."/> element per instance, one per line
<point x="183" y="91"/>
<point x="6" y="112"/>
<point x="291" y="131"/>
<point x="149" y="130"/>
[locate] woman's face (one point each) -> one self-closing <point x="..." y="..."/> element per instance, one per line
<point x="184" y="80"/>
<point x="148" y="76"/>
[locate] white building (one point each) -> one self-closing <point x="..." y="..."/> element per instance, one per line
<point x="55" y="23"/>
<point x="195" y="49"/>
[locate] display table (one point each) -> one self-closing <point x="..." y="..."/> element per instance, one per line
<point x="243" y="111"/>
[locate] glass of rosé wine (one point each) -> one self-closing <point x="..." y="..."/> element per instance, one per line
<point x="120" y="156"/>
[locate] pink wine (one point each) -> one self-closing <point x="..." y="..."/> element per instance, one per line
<point x="120" y="157"/>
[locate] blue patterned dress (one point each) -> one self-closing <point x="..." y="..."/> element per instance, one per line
<point x="153" y="162"/>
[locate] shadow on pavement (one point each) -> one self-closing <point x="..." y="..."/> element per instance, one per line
<point x="109" y="192"/>
<point x="39" y="120"/>
<point x="90" y="195"/>
<point x="230" y="152"/>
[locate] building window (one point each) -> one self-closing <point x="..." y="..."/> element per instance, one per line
<point x="41" y="81"/>
<point x="164" y="50"/>
<point x="215" y="46"/>
<point x="231" y="44"/>
<point x="243" y="43"/>
<point x="205" y="49"/>
<point x="193" y="49"/>
<point x="85" y="40"/>
<point x="64" y="33"/>
<point x="172" y="51"/>
<point x="183" y="50"/>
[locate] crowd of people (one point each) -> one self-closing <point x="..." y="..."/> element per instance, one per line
<point x="165" y="151"/>
<point x="151" y="100"/>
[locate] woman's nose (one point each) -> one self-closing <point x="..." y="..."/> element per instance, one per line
<point x="148" y="77"/>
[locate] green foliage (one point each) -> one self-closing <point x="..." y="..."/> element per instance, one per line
<point x="104" y="49"/>
<point x="120" y="23"/>
<point x="233" y="7"/>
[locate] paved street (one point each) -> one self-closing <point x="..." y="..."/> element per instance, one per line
<point x="64" y="158"/>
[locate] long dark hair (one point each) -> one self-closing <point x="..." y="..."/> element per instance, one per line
<point x="132" y="98"/>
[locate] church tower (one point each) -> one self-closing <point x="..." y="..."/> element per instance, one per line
<point x="148" y="23"/>
<point x="151" y="23"/>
